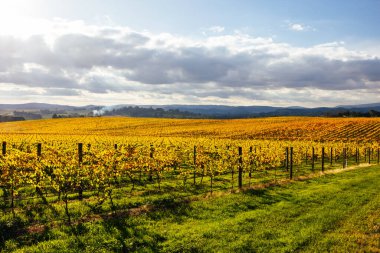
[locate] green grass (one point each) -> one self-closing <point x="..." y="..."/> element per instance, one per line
<point x="333" y="213"/>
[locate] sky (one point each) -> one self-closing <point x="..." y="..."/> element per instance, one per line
<point x="230" y="52"/>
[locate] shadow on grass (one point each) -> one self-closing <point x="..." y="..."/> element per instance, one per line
<point x="132" y="236"/>
<point x="10" y="229"/>
<point x="268" y="196"/>
<point x="190" y="189"/>
<point x="256" y="192"/>
<point x="174" y="208"/>
<point x="15" y="229"/>
<point x="38" y="211"/>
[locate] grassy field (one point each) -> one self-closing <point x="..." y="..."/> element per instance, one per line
<point x="332" y="213"/>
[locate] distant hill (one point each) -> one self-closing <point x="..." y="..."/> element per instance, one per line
<point x="134" y="111"/>
<point x="194" y="111"/>
<point x="373" y="105"/>
<point x="222" y="110"/>
<point x="217" y="111"/>
<point x="10" y="118"/>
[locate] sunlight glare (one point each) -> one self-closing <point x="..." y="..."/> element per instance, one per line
<point x="15" y="18"/>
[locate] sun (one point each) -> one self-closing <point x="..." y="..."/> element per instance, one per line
<point x="10" y="8"/>
<point x="15" y="17"/>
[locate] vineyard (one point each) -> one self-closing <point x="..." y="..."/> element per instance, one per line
<point x="66" y="170"/>
<point x="279" y="128"/>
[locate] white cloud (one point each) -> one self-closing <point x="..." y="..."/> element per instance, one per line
<point x="298" y="27"/>
<point x="216" y="29"/>
<point x="212" y="30"/>
<point x="82" y="63"/>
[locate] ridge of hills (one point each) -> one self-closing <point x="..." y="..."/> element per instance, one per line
<point x="44" y="110"/>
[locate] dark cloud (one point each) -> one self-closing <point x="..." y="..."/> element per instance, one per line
<point x="61" y="92"/>
<point x="114" y="60"/>
<point x="38" y="79"/>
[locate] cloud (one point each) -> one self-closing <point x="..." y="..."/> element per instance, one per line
<point x="61" y="92"/>
<point x="212" y="30"/>
<point x="94" y="63"/>
<point x="299" y="27"/>
<point x="216" y="29"/>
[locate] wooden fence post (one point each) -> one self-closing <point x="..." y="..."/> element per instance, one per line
<point x="80" y="153"/>
<point x="240" y="167"/>
<point x="115" y="146"/>
<point x="331" y="156"/>
<point x="250" y="162"/>
<point x="39" y="149"/>
<point x="80" y="160"/>
<point x="358" y="150"/>
<point x="4" y="148"/>
<point x="291" y="163"/>
<point x="323" y="159"/>
<point x="5" y="192"/>
<point x="195" y="163"/>
<point x="150" y="169"/>
<point x="312" y="158"/>
<point x="344" y="158"/>
<point x="369" y="155"/>
<point x="38" y="189"/>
